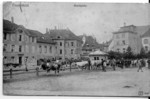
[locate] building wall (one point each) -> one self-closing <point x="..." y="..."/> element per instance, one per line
<point x="70" y="49"/>
<point x="146" y="43"/>
<point x="121" y="42"/>
<point x="45" y="50"/>
<point x="14" y="48"/>
<point x="30" y="49"/>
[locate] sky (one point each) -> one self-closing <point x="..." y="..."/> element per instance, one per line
<point x="97" y="19"/>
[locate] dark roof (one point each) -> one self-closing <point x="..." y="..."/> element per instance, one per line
<point x="146" y="34"/>
<point x="9" y="27"/>
<point x="140" y="30"/>
<point x="45" y="40"/>
<point x="90" y="42"/>
<point x="65" y="34"/>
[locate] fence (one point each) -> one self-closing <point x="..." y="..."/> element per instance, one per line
<point x="13" y="72"/>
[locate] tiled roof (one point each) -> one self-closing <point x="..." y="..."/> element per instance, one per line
<point x="146" y="34"/>
<point x="140" y="30"/>
<point x="45" y="39"/>
<point x="91" y="42"/>
<point x="10" y="27"/>
<point x="63" y="34"/>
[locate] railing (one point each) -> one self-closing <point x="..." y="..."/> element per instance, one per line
<point x="11" y="72"/>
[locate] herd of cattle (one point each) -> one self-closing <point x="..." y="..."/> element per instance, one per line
<point x="90" y="65"/>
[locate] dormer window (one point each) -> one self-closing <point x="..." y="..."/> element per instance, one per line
<point x="58" y="36"/>
<point x="20" y="31"/>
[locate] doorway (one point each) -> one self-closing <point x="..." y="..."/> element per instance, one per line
<point x="20" y="59"/>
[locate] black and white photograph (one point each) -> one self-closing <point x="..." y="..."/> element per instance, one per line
<point x="76" y="49"/>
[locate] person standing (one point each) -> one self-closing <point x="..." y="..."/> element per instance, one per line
<point x="103" y="67"/>
<point x="139" y="64"/>
<point x="148" y="61"/>
<point x="26" y="66"/>
<point x="113" y="64"/>
<point x="89" y="64"/>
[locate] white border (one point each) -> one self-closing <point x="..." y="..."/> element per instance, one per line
<point x="43" y="97"/>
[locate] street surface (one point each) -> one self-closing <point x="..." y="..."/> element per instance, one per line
<point x="122" y="82"/>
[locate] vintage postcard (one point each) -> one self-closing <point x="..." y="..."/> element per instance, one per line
<point x="76" y="49"/>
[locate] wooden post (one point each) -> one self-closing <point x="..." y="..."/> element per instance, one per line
<point x="37" y="71"/>
<point x="70" y="67"/>
<point x="11" y="73"/>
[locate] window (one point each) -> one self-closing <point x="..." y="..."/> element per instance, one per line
<point x="146" y="48"/>
<point x="50" y="49"/>
<point x="33" y="49"/>
<point x="45" y="49"/>
<point x="12" y="48"/>
<point x="5" y="60"/>
<point x="145" y="41"/>
<point x="118" y="43"/>
<point x="123" y="35"/>
<point x="72" y="44"/>
<point x="123" y="42"/>
<point x="20" y="31"/>
<point x="5" y="36"/>
<point x="20" y="37"/>
<point x="60" y="43"/>
<point x="71" y="51"/>
<point x="117" y="36"/>
<point x="5" y="47"/>
<point x="60" y="51"/>
<point x="40" y="49"/>
<point x="95" y="58"/>
<point x="27" y="48"/>
<point x="20" y="48"/>
<point x="32" y="39"/>
<point x="12" y="59"/>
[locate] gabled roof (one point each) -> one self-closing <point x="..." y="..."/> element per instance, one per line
<point x="146" y="34"/>
<point x="9" y="27"/>
<point x="90" y="42"/>
<point x="140" y="30"/>
<point x="65" y="34"/>
<point x="98" y="52"/>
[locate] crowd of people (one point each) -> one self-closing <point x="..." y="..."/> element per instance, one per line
<point x="122" y="63"/>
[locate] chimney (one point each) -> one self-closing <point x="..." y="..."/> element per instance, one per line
<point x="46" y="30"/>
<point x="12" y="19"/>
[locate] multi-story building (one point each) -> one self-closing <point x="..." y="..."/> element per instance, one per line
<point x="126" y="37"/>
<point x="146" y="40"/>
<point x="68" y="44"/>
<point x="21" y="43"/>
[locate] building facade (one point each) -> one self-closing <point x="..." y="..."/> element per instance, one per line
<point x="68" y="44"/>
<point x="25" y="46"/>
<point x="126" y="37"/>
<point x="146" y="41"/>
<point x="18" y="44"/>
<point x="21" y="45"/>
